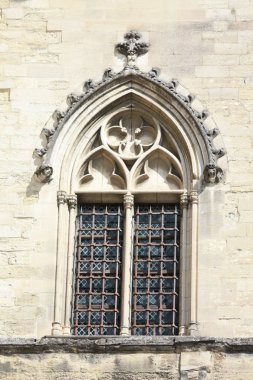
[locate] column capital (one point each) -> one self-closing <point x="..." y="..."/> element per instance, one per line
<point x="184" y="200"/>
<point x="72" y="201"/>
<point x="128" y="200"/>
<point x="194" y="197"/>
<point x="61" y="197"/>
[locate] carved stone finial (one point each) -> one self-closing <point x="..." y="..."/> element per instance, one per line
<point x="44" y="174"/>
<point x="202" y="115"/>
<point x="213" y="132"/>
<point x="172" y="85"/>
<point x="132" y="47"/>
<point x="48" y="133"/>
<point x="73" y="98"/>
<point x="184" y="200"/>
<point x="187" y="98"/>
<point x="108" y="74"/>
<point x="213" y="174"/>
<point x="219" y="152"/>
<point x="128" y="200"/>
<point x="61" y="197"/>
<point x="154" y="72"/>
<point x="40" y="152"/>
<point x="58" y="115"/>
<point x="194" y="197"/>
<point x="89" y="85"/>
<point x="72" y="201"/>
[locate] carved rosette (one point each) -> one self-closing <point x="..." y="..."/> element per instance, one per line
<point x="61" y="197"/>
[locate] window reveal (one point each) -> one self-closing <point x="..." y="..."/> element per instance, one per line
<point x="155" y="270"/>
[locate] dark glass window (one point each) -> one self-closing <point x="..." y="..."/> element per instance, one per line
<point x="98" y="270"/>
<point x="155" y="270"/>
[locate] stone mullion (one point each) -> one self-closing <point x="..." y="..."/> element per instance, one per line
<point x="72" y="203"/>
<point x="126" y="286"/>
<point x="193" y="324"/>
<point x="183" y="264"/>
<point x="60" y="259"/>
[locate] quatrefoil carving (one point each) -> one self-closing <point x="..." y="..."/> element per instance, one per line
<point x="130" y="135"/>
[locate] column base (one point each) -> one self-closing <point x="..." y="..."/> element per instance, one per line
<point x="182" y="330"/>
<point x="66" y="330"/>
<point x="125" y="331"/>
<point x="56" y="328"/>
<point x="193" y="329"/>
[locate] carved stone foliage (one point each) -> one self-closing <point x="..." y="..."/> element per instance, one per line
<point x="132" y="47"/>
<point x="131" y="142"/>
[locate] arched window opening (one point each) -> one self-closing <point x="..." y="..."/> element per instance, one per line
<point x="127" y="263"/>
<point x="130" y="157"/>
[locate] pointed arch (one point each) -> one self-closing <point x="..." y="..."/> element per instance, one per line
<point x="152" y="161"/>
<point x="130" y="88"/>
<point x="177" y="137"/>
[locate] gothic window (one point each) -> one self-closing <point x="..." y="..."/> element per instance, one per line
<point x="154" y="273"/>
<point x="127" y="260"/>
<point x="129" y="158"/>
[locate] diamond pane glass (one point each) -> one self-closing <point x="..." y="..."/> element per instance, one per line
<point x="155" y="270"/>
<point x="98" y="270"/>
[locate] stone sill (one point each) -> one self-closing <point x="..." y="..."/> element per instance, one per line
<point x="71" y="344"/>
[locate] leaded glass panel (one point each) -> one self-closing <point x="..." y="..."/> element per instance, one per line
<point x="155" y="270"/>
<point x="98" y="270"/>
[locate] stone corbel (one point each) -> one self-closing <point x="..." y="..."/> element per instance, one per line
<point x="44" y="174"/>
<point x="213" y="174"/>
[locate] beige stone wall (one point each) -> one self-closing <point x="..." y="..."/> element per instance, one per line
<point x="137" y="366"/>
<point x="48" y="48"/>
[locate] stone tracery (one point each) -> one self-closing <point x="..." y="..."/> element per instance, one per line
<point x="131" y="134"/>
<point x="175" y="98"/>
<point x="130" y="141"/>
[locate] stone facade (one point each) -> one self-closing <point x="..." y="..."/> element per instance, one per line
<point x="48" y="49"/>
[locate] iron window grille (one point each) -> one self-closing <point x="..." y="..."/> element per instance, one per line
<point x="155" y="283"/>
<point x="155" y="270"/>
<point x="98" y="270"/>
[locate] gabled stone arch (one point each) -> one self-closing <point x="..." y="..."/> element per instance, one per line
<point x="185" y="144"/>
<point x="130" y="87"/>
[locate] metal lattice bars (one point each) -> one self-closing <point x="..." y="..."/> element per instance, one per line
<point x="98" y="270"/>
<point x="156" y="269"/>
<point x="154" y="277"/>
